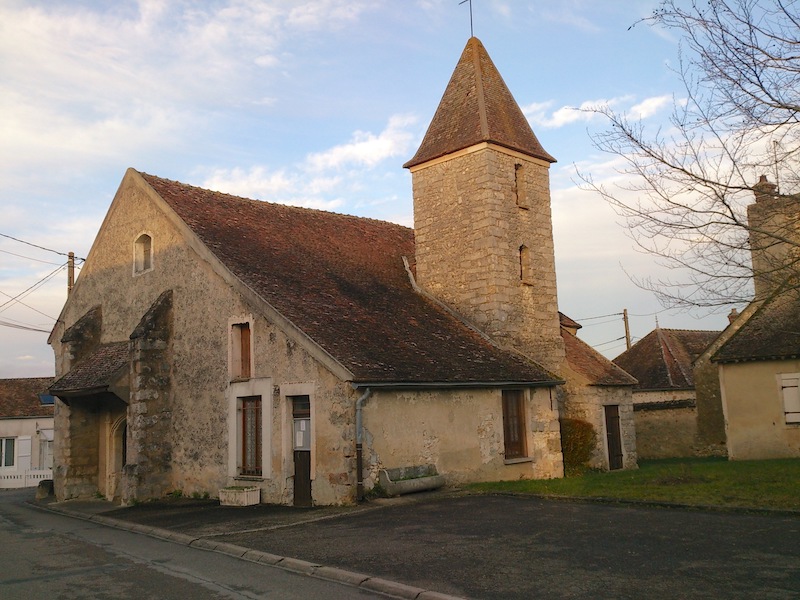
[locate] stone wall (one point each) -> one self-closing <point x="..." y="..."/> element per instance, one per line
<point x="773" y="237"/>
<point x="710" y="429"/>
<point x="586" y="403"/>
<point x="666" y="424"/>
<point x="461" y="433"/>
<point x="178" y="414"/>
<point x="469" y="231"/>
<point x="147" y="473"/>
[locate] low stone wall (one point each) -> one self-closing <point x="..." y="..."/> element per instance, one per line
<point x="665" y="429"/>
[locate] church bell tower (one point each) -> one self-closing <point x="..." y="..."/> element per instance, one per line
<point x="482" y="220"/>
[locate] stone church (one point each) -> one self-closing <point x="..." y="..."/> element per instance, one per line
<point x="215" y="341"/>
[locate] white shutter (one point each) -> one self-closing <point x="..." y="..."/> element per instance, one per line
<point x="24" y="453"/>
<point x="791" y="397"/>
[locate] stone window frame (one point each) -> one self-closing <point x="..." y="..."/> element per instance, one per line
<point x="790" y="397"/>
<point x="236" y="391"/>
<point x="288" y="391"/>
<point x="250" y="428"/>
<point x="143" y="253"/>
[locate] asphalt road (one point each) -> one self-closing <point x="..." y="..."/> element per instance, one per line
<point x="499" y="547"/>
<point x="45" y="555"/>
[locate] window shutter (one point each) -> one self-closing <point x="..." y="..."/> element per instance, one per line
<point x="791" y="397"/>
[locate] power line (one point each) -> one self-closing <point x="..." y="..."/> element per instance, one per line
<point x="601" y="323"/>
<point x="619" y="314"/>
<point x="29" y="258"/>
<point x="29" y="290"/>
<point x="23" y="327"/>
<point x="40" y="247"/>
<point x="610" y="342"/>
<point x="658" y="312"/>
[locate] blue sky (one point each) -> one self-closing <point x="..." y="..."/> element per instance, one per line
<point x="314" y="103"/>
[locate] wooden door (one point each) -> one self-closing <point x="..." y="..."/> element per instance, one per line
<point x="301" y="417"/>
<point x="302" y="478"/>
<point x="614" y="437"/>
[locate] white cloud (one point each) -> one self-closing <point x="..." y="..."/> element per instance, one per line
<point x="541" y="114"/>
<point x="650" y="106"/>
<point x="342" y="175"/>
<point x="367" y="149"/>
<point x="276" y="186"/>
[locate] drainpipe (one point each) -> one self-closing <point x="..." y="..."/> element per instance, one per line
<point x="359" y="437"/>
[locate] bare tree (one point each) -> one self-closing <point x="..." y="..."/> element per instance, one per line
<point x="685" y="189"/>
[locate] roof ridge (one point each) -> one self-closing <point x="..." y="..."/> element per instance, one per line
<point x="663" y="345"/>
<point x="148" y="176"/>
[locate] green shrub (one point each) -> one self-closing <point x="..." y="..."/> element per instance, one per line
<point x="578" y="442"/>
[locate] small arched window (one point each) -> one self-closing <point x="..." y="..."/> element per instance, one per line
<point x="143" y="254"/>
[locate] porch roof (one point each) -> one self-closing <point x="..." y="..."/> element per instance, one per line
<point x="97" y="373"/>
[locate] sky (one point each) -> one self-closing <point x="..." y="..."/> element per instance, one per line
<point x="311" y="103"/>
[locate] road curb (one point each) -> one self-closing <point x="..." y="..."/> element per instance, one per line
<point x="386" y="587"/>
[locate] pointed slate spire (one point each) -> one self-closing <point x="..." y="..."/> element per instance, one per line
<point x="477" y="107"/>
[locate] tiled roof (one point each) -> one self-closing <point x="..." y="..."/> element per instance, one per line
<point x="96" y="372"/>
<point x="772" y="333"/>
<point x="341" y="280"/>
<point x="585" y="360"/>
<point x="20" y="397"/>
<point x="476" y="107"/>
<point x="567" y="322"/>
<point x="662" y="360"/>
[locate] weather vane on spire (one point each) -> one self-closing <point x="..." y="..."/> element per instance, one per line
<point x="471" y="30"/>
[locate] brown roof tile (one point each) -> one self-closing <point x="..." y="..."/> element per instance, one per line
<point x="97" y="372"/>
<point x="476" y="107"/>
<point x="585" y="360"/>
<point x="772" y="333"/>
<point x="568" y="322"/>
<point x="662" y="360"/>
<point x="341" y="280"/>
<point x="20" y="397"/>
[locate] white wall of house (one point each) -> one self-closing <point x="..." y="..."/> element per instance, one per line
<point x="25" y="451"/>
<point x="756" y="405"/>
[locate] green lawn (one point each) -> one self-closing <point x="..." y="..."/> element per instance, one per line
<point x="771" y="484"/>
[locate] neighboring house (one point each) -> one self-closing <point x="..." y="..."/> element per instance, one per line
<point x="212" y="340"/>
<point x="759" y="372"/>
<point x="599" y="392"/>
<point x="758" y="355"/>
<point x="26" y="431"/>
<point x="668" y="411"/>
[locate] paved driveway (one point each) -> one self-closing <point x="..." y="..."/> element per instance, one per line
<point x="510" y="547"/>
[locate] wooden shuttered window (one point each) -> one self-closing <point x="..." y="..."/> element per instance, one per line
<point x="251" y="436"/>
<point x="240" y="351"/>
<point x="514" y="436"/>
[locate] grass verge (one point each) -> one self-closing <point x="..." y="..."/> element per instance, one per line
<point x="772" y="484"/>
